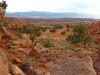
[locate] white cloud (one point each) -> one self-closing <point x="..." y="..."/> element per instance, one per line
<point x="85" y="6"/>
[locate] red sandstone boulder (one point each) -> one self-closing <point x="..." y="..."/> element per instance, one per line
<point x="13" y="69"/>
<point x="82" y="66"/>
<point x="35" y="53"/>
<point x="3" y="63"/>
<point x="81" y="45"/>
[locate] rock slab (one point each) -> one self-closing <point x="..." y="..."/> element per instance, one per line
<point x="3" y="63"/>
<point x="82" y="66"/>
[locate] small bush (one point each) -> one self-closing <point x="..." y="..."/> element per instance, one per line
<point x="37" y="33"/>
<point x="44" y="29"/>
<point x="32" y="38"/>
<point x="19" y="29"/>
<point x="58" y="26"/>
<point x="29" y="31"/>
<point x="5" y="25"/>
<point x="79" y="35"/>
<point x="20" y="36"/>
<point x="48" y="43"/>
<point x="79" y="49"/>
<point x="25" y="28"/>
<point x="67" y="26"/>
<point x="62" y="47"/>
<point x="52" y="30"/>
<point x="63" y="33"/>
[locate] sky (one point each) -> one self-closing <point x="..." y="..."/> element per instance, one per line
<point x="81" y="6"/>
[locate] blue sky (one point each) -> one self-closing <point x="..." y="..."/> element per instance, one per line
<point x="84" y="6"/>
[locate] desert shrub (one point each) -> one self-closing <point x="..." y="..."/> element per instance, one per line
<point x="58" y="26"/>
<point x="34" y="33"/>
<point x="63" y="33"/>
<point x="37" y="33"/>
<point x="29" y="31"/>
<point x="47" y="27"/>
<point x="65" y="47"/>
<point x="16" y="26"/>
<point x="48" y="43"/>
<point x="52" y="30"/>
<point x="32" y="38"/>
<point x="79" y="35"/>
<point x="43" y="28"/>
<point x="79" y="49"/>
<point x="5" y="25"/>
<point x="25" y="28"/>
<point x="20" y="29"/>
<point x="67" y="26"/>
<point x="18" y="34"/>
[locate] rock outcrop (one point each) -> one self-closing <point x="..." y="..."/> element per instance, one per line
<point x="82" y="66"/>
<point x="35" y="53"/>
<point x="96" y="62"/>
<point x="13" y="69"/>
<point x="2" y="13"/>
<point x="3" y="63"/>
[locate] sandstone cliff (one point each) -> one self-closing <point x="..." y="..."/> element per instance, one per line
<point x="2" y="13"/>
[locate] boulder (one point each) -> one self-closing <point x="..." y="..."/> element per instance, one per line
<point x="81" y="45"/>
<point x="3" y="63"/>
<point x="44" y="64"/>
<point x="15" y="59"/>
<point x="5" y="30"/>
<point x="82" y="66"/>
<point x="42" y="72"/>
<point x="96" y="62"/>
<point x="14" y="70"/>
<point x="6" y="39"/>
<point x="35" y="53"/>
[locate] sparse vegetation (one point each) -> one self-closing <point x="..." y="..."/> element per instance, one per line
<point x="79" y="49"/>
<point x="25" y="28"/>
<point x="48" y="43"/>
<point x="63" y="33"/>
<point x="58" y="26"/>
<point x="43" y="28"/>
<point x="5" y="25"/>
<point x="79" y="35"/>
<point x="54" y="49"/>
<point x="20" y="36"/>
<point x="52" y="30"/>
<point x="67" y="26"/>
<point x="32" y="38"/>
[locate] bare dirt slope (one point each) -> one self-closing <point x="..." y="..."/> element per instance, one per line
<point x="14" y="21"/>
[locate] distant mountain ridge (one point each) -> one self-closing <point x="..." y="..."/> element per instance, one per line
<point x="43" y="14"/>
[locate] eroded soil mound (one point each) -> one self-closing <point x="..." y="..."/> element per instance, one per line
<point x="15" y="21"/>
<point x="94" y="28"/>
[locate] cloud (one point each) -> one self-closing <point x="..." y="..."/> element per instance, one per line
<point x="85" y="6"/>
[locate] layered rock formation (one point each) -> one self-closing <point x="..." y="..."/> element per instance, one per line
<point x="2" y="13"/>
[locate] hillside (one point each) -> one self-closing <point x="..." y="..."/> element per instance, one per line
<point x="14" y="21"/>
<point x="38" y="58"/>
